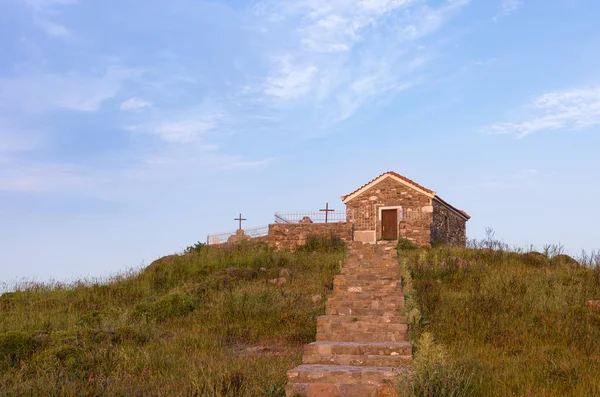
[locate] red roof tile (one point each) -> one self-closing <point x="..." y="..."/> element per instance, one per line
<point x="405" y="179"/>
<point x="413" y="183"/>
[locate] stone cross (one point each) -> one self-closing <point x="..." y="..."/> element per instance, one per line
<point x="327" y="211"/>
<point x="240" y="219"/>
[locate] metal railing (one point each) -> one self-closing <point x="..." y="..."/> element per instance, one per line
<point x="310" y="217"/>
<point x="220" y="238"/>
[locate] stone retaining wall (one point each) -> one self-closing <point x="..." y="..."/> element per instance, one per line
<point x="290" y="236"/>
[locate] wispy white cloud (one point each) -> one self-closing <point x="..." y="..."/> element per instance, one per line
<point x="181" y="127"/>
<point x="39" y="91"/>
<point x="342" y="54"/>
<point x="182" y="131"/>
<point x="334" y="58"/>
<point x="53" y="28"/>
<point x="332" y="26"/>
<point x="42" y="178"/>
<point x="133" y="104"/>
<point x="574" y="109"/>
<point x="45" y="11"/>
<point x="291" y="81"/>
<point x="44" y="4"/>
<point x="507" y="7"/>
<point x="478" y="63"/>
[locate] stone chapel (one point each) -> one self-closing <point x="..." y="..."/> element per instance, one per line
<point x="392" y="206"/>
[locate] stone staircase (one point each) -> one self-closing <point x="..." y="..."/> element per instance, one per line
<point x="361" y="341"/>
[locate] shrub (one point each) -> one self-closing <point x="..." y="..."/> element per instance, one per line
<point x="68" y="356"/>
<point x="16" y="346"/>
<point x="198" y="247"/>
<point x="535" y="259"/>
<point x="7" y="301"/>
<point x="405" y="244"/>
<point x="564" y="260"/>
<point x="434" y="374"/>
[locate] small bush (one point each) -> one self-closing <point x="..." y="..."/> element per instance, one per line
<point x="198" y="247"/>
<point x="535" y="259"/>
<point x="434" y="374"/>
<point x="67" y="356"/>
<point x="7" y="301"/>
<point x="564" y="260"/>
<point x="405" y="244"/>
<point x="16" y="346"/>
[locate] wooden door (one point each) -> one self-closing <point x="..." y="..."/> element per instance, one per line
<point x="389" y="224"/>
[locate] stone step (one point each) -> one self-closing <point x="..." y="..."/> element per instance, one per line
<point x="341" y="374"/>
<point x="363" y="304"/>
<point x="359" y="294"/>
<point x="340" y="390"/>
<point x="361" y="339"/>
<point x="342" y="280"/>
<point x="357" y="272"/>
<point x="348" y="311"/>
<point x="400" y="348"/>
<point x="361" y="336"/>
<point x="382" y="287"/>
<point x="372" y="264"/>
<point x="395" y="289"/>
<point x="368" y="296"/>
<point x="357" y="360"/>
<point x="353" y="278"/>
<point x="326" y="325"/>
<point x="325" y="320"/>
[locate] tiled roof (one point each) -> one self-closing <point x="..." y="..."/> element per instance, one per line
<point x="405" y="179"/>
<point x="413" y="183"/>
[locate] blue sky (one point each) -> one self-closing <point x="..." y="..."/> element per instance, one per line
<point x="130" y="130"/>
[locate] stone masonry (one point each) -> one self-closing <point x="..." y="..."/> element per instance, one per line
<point x="448" y="227"/>
<point x="361" y="340"/>
<point x="292" y="235"/>
<point x="421" y="215"/>
<point x="389" y="193"/>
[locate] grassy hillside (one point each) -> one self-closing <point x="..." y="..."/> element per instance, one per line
<point x="505" y="323"/>
<point x="206" y="323"/>
<point x="487" y="322"/>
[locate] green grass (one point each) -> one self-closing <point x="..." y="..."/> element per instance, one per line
<point x="485" y="322"/>
<point x="204" y="323"/>
<point x="512" y="323"/>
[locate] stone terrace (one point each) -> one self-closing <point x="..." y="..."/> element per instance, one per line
<point x="361" y="339"/>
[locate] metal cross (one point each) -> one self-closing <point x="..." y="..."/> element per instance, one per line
<point x="327" y="211"/>
<point x="240" y="219"/>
